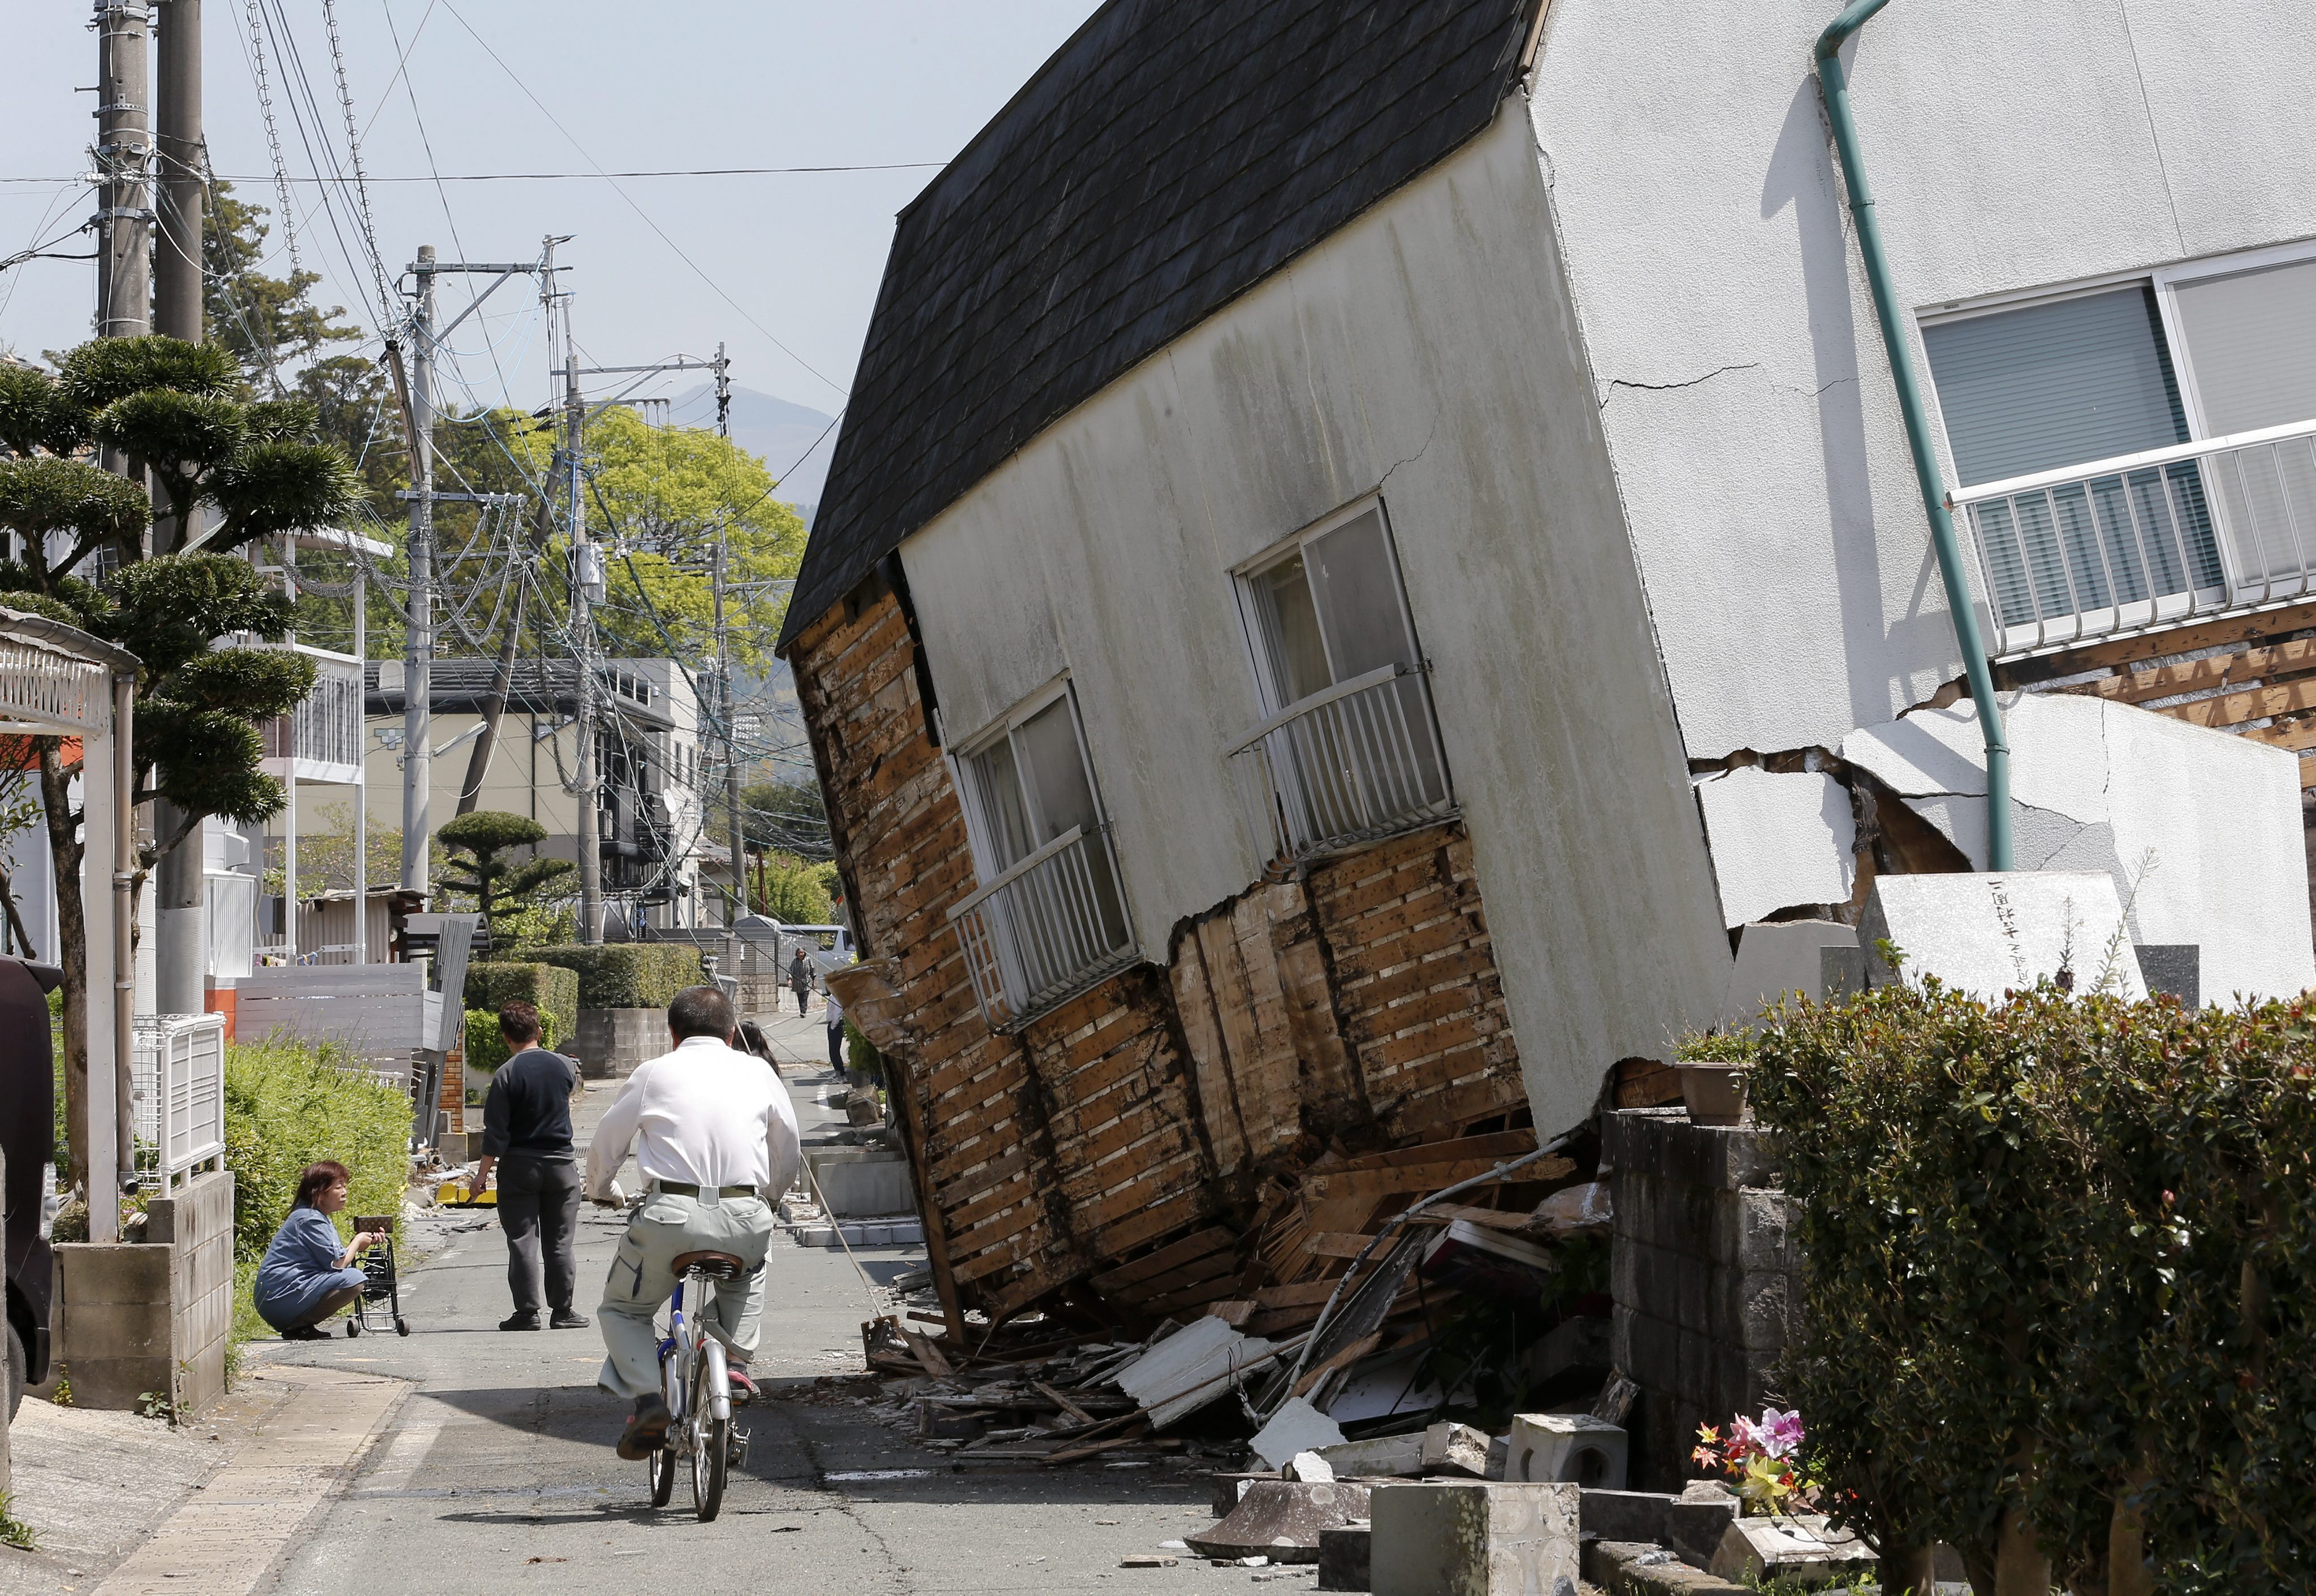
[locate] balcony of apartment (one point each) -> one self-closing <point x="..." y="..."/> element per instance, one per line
<point x="2137" y="542"/>
<point x="1347" y="765"/>
<point x="321" y="740"/>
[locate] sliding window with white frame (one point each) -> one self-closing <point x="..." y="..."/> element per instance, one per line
<point x="2136" y="451"/>
<point x="1349" y="750"/>
<point x="1049" y="919"/>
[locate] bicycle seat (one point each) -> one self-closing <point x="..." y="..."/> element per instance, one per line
<point x="715" y="1266"/>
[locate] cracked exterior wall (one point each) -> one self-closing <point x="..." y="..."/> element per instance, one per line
<point x="1424" y="350"/>
<point x="1744" y="392"/>
<point x="2200" y="831"/>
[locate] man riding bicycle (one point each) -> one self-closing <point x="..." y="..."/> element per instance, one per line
<point x="715" y="1138"/>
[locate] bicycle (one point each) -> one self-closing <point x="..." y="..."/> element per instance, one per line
<point x="698" y="1386"/>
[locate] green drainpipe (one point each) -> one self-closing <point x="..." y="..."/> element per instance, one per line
<point x="1836" y="88"/>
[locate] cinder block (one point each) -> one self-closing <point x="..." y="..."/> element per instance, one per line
<point x="1476" y="1539"/>
<point x="1625" y="1515"/>
<point x="127" y="1272"/>
<point x="1764" y="1230"/>
<point x="1569" y="1447"/>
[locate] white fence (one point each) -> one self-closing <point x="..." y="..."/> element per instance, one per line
<point x="2148" y="540"/>
<point x="1354" y="762"/>
<point x="177" y="1094"/>
<point x="1047" y="929"/>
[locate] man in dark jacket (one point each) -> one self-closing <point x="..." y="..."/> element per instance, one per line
<point x="527" y="1133"/>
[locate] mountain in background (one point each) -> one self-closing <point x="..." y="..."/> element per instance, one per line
<point x="780" y="431"/>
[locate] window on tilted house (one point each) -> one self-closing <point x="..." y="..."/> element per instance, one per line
<point x="1350" y="751"/>
<point x="2100" y="440"/>
<point x="1049" y="917"/>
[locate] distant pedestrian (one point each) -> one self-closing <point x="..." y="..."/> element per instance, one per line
<point x="835" y="1034"/>
<point x="800" y="981"/>
<point x="527" y="1132"/>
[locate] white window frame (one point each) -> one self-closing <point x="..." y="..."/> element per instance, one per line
<point x="985" y="846"/>
<point x="1242" y="575"/>
<point x="2166" y="280"/>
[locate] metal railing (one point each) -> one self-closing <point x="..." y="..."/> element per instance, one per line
<point x="1353" y="762"/>
<point x="1047" y="929"/>
<point x="177" y="1094"/>
<point x="326" y="726"/>
<point x="2148" y="540"/>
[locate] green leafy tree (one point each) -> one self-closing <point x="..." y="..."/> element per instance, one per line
<point x="264" y="322"/>
<point x="174" y="409"/>
<point x="478" y="845"/>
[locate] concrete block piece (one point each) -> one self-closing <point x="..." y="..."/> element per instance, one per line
<point x="1696" y="1519"/>
<point x="1572" y="1446"/>
<point x="1779" y="839"/>
<point x="610" y="1042"/>
<point x="113" y="1273"/>
<point x="1775" y="961"/>
<point x="1986" y="933"/>
<point x="1642" y="1568"/>
<point x="1797" y="1551"/>
<point x="1295" y="1427"/>
<point x="1475" y="1539"/>
<point x="1343" y="1557"/>
<point x="1625" y="1515"/>
<point x="1281" y="1520"/>
<point x="1456" y="1449"/>
<point x="857" y="1181"/>
<point x="1387" y="1457"/>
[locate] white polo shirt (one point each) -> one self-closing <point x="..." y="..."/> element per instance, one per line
<point x="704" y="1115"/>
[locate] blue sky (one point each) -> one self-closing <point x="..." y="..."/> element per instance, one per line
<point x="783" y="268"/>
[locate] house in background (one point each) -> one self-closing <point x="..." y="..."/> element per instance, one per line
<point x="1370" y="542"/>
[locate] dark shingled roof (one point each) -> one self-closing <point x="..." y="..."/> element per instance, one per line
<point x="1170" y="157"/>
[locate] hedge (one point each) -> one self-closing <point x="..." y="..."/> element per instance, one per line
<point x="287" y="1106"/>
<point x="551" y="989"/>
<point x="487" y="1050"/>
<point x="2059" y="1278"/>
<point x="626" y="975"/>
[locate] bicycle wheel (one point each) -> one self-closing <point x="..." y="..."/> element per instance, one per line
<point x="711" y="1442"/>
<point x="662" y="1464"/>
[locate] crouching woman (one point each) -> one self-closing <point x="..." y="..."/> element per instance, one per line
<point x="306" y="1276"/>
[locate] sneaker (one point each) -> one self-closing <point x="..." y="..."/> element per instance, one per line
<point x="564" y="1319"/>
<point x="306" y="1333"/>
<point x="646" y="1428"/>
<point x="519" y="1322"/>
<point x="743" y="1389"/>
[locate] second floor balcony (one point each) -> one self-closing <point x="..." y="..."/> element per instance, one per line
<point x="1348" y="764"/>
<point x="2147" y="539"/>
<point x="321" y="740"/>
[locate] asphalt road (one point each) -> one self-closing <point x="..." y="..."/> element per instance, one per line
<point x="498" y="1474"/>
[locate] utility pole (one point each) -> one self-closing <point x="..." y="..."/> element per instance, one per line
<point x="181" y="932"/>
<point x="418" y="647"/>
<point x="724" y="663"/>
<point x="585" y="580"/>
<point x="177" y="263"/>
<point x="124" y="152"/>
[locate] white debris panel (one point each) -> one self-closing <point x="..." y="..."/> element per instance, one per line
<point x="1779" y="841"/>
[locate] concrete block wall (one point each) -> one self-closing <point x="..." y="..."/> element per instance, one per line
<point x="1702" y="1272"/>
<point x="196" y="1224"/>
<point x="152" y="1318"/>
<point x="611" y="1042"/>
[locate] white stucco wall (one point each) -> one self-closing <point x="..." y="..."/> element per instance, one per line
<point x="1745" y="393"/>
<point x="1421" y="351"/>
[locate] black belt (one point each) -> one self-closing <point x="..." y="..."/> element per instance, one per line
<point x="685" y="1189"/>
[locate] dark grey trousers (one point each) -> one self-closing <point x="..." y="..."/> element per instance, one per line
<point x="539" y="1207"/>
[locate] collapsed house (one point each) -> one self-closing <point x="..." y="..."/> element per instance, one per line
<point x="1369" y="542"/>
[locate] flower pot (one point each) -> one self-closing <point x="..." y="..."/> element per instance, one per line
<point x="1714" y="1091"/>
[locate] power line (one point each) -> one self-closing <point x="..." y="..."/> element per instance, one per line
<point x="597" y="176"/>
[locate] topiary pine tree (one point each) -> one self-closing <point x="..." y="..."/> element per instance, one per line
<point x="477" y="842"/>
<point x="174" y="411"/>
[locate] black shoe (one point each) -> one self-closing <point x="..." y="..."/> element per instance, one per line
<point x="306" y="1333"/>
<point x="519" y="1322"/>
<point x="564" y="1319"/>
<point x="647" y="1431"/>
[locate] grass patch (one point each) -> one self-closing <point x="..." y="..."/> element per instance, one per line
<point x="13" y="1531"/>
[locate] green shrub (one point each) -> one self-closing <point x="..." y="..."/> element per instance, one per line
<point x="551" y="989"/>
<point x="287" y="1106"/>
<point x="487" y="1050"/>
<point x="626" y="975"/>
<point x="2059" y="1261"/>
<point x="860" y="1055"/>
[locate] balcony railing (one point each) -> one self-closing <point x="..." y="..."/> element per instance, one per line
<point x="1353" y="762"/>
<point x="323" y="735"/>
<point x="177" y="1094"/>
<point x="1047" y="929"/>
<point x="2147" y="539"/>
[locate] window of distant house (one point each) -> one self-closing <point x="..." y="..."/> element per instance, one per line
<point x="2082" y="413"/>
<point x="1328" y="609"/>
